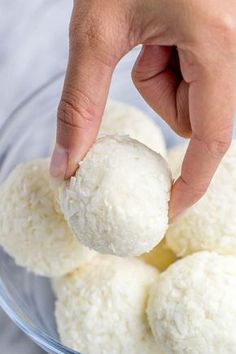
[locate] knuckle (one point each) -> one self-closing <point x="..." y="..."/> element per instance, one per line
<point x="219" y="146"/>
<point x="85" y="30"/>
<point x="101" y="29"/>
<point x="92" y="34"/>
<point x="226" y="29"/>
<point x="227" y="24"/>
<point x="196" y="191"/>
<point x="76" y="111"/>
<point x="95" y="33"/>
<point x="94" y="37"/>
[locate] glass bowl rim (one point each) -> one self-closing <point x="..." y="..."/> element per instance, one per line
<point x="8" y="305"/>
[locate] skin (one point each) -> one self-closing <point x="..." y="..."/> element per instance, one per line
<point x="186" y="72"/>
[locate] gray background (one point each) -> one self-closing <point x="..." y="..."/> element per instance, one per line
<point x="33" y="47"/>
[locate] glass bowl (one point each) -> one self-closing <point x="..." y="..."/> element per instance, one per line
<point x="28" y="134"/>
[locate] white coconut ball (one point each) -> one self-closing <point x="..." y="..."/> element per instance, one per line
<point x="117" y="203"/>
<point x="101" y="308"/>
<point x="211" y="223"/>
<point x="192" y="307"/>
<point x="32" y="229"/>
<point x="124" y="119"/>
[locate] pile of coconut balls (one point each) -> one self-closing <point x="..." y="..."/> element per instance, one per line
<point x="125" y="281"/>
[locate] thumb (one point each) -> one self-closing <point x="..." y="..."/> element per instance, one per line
<point x="82" y="104"/>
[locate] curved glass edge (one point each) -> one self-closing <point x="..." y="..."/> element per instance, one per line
<point x="42" y="339"/>
<point x="7" y="304"/>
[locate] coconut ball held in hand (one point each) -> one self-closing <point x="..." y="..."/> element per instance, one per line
<point x="185" y="71"/>
<point x="117" y="203"/>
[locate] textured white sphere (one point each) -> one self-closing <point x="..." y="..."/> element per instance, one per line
<point x="123" y="119"/>
<point x="117" y="203"/>
<point x="101" y="307"/>
<point x="32" y="228"/>
<point x="192" y="307"/>
<point x="210" y="224"/>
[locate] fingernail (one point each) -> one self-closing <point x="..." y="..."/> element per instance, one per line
<point x="59" y="162"/>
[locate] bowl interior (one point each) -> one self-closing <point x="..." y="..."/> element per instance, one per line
<point x="28" y="134"/>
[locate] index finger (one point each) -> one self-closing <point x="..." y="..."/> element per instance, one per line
<point x="211" y="104"/>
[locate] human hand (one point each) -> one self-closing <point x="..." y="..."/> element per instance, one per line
<point x="186" y="72"/>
